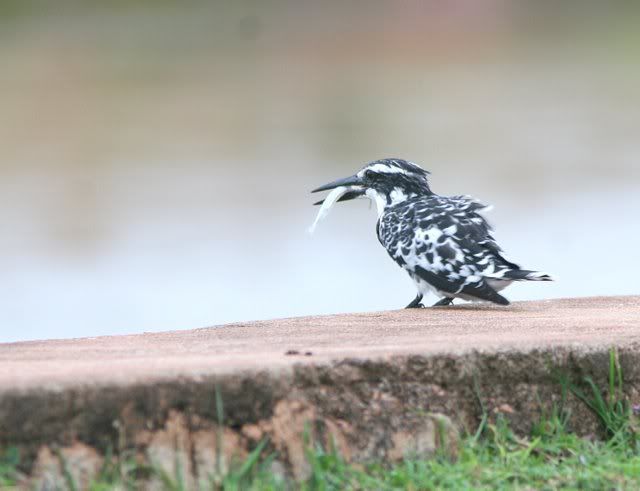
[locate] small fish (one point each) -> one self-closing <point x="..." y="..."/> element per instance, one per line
<point x="328" y="202"/>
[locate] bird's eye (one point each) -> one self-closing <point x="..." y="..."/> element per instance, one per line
<point x="370" y="175"/>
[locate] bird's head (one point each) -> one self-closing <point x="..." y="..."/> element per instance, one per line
<point x="386" y="182"/>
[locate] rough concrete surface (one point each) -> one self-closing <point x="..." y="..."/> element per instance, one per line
<point x="379" y="385"/>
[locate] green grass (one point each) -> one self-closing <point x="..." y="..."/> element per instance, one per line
<point x="492" y="457"/>
<point x="9" y="461"/>
<point x="550" y="459"/>
<point x="614" y="411"/>
<point x="499" y="459"/>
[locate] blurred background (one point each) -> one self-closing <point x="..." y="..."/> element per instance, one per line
<point x="156" y="156"/>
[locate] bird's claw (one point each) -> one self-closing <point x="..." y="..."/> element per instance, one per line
<point x="417" y="306"/>
<point x="443" y="302"/>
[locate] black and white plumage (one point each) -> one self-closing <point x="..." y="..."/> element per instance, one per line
<point x="443" y="242"/>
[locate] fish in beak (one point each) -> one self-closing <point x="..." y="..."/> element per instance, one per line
<point x="341" y="190"/>
<point x="354" y="183"/>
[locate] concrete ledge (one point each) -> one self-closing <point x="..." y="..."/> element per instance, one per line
<point x="381" y="385"/>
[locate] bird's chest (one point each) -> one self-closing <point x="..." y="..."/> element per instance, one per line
<point x="394" y="229"/>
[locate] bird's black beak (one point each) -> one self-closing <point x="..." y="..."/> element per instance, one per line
<point x="347" y="181"/>
<point x="345" y="197"/>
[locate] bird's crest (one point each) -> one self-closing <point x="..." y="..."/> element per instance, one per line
<point x="395" y="166"/>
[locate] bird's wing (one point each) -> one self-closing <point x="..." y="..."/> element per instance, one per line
<point x="446" y="242"/>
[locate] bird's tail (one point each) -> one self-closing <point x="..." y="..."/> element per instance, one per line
<point x="526" y="275"/>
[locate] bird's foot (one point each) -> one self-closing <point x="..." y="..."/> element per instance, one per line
<point x="416" y="303"/>
<point x="443" y="302"/>
<point x="419" y="305"/>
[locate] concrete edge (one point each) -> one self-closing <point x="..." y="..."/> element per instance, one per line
<point x="375" y="408"/>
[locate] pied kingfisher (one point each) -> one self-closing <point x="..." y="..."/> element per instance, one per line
<point x="443" y="242"/>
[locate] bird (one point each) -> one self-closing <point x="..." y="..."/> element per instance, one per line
<point x="444" y="243"/>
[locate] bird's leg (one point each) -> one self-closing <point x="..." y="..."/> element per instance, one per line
<point x="415" y="303"/>
<point x="443" y="302"/>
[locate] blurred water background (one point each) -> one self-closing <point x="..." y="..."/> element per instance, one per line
<point x="156" y="156"/>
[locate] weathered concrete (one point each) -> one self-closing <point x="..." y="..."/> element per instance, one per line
<point x="381" y="385"/>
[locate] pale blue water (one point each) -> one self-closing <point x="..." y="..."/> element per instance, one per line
<point x="149" y="184"/>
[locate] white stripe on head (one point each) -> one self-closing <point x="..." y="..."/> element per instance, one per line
<point x="386" y="169"/>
